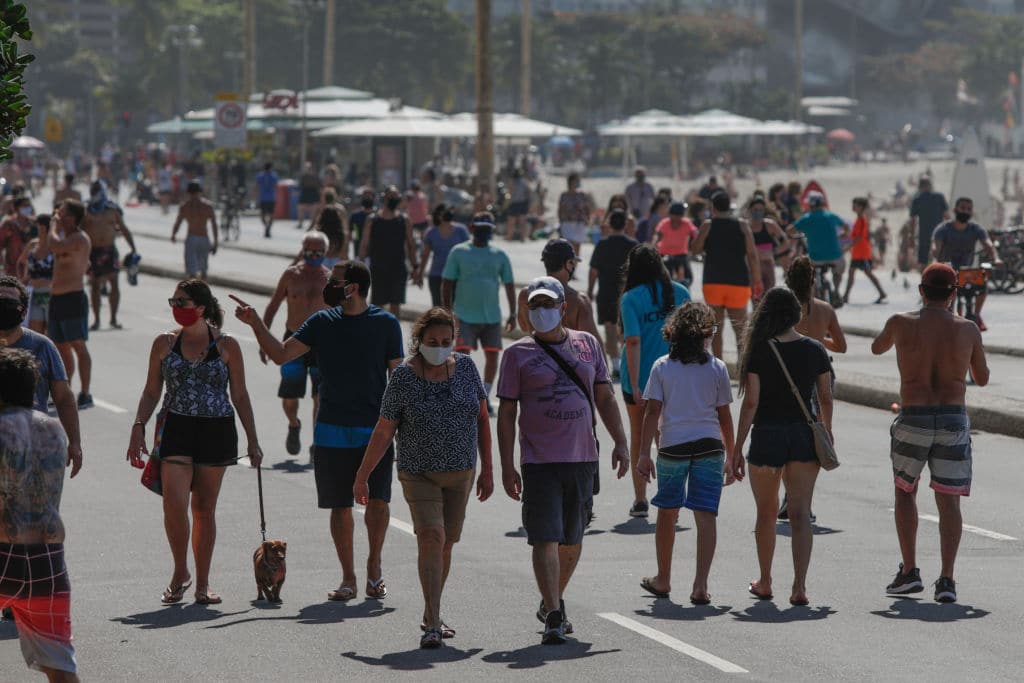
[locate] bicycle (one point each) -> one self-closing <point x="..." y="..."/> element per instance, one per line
<point x="824" y="288"/>
<point x="970" y="283"/>
<point x="1008" y="277"/>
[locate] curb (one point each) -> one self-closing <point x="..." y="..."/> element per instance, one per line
<point x="984" y="419"/>
<point x="993" y="348"/>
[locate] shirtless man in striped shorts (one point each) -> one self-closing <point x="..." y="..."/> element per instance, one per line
<point x="934" y="351"/>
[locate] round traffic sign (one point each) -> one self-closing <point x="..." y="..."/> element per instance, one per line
<point x="231" y="115"/>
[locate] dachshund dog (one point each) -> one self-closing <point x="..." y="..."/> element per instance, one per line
<point x="269" y="566"/>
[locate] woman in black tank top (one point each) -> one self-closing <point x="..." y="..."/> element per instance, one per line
<point x="387" y="241"/>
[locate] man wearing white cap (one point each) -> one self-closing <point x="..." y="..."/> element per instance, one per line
<point x="558" y="378"/>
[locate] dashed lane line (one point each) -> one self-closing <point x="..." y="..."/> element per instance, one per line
<point x="674" y="643"/>
<point x="117" y="410"/>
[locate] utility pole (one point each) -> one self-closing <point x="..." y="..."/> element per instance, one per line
<point x="249" y="68"/>
<point x="853" y="56"/>
<point x="484" y="100"/>
<point x="525" y="22"/>
<point x="798" y="58"/>
<point x="306" y="9"/>
<point x="329" y="43"/>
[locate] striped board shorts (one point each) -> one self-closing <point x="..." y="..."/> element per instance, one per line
<point x="938" y="435"/>
<point x="34" y="584"/>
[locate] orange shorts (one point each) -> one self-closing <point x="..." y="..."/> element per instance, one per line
<point x="730" y="296"/>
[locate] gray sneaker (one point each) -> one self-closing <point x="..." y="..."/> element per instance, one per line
<point x="909" y="582"/>
<point x="554" y="629"/>
<point x="639" y="509"/>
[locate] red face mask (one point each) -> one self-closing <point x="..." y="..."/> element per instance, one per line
<point x="185" y="316"/>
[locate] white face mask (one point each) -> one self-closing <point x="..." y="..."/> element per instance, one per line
<point x="435" y="355"/>
<point x="545" y="319"/>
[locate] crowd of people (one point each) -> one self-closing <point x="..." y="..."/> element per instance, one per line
<point x="553" y="385"/>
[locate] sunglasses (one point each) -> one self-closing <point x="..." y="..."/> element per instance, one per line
<point x="712" y="331"/>
<point x="313" y="253"/>
<point x="179" y="302"/>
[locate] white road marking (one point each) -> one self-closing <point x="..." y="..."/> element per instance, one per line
<point x="100" y="403"/>
<point x="970" y="528"/>
<point x="397" y="523"/>
<point x="674" y="644"/>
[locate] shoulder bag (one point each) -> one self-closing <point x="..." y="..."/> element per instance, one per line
<point x="823" y="446"/>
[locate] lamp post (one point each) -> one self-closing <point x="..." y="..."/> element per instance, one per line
<point x="306" y="8"/>
<point x="183" y="36"/>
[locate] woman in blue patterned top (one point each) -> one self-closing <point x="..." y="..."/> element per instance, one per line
<point x="436" y="407"/>
<point x="202" y="371"/>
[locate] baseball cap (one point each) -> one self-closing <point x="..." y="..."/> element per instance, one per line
<point x="815" y="200"/>
<point x="546" y="286"/>
<point x="557" y="251"/>
<point x="677" y="209"/>
<point x="939" y="276"/>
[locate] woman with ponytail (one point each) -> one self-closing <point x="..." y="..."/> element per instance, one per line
<point x="781" y="442"/>
<point x="818" y="319"/>
<point x="195" y="429"/>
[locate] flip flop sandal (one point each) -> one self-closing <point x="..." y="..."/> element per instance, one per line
<point x="758" y="595"/>
<point x="432" y="639"/>
<point x="446" y="630"/>
<point x="376" y="589"/>
<point x="207" y="598"/>
<point x="173" y="595"/>
<point x="342" y="594"/>
<point x="706" y="600"/>
<point x="648" y="586"/>
<point x="799" y="602"/>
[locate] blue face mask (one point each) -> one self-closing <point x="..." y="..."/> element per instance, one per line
<point x="314" y="262"/>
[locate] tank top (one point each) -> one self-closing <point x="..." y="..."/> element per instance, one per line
<point x="762" y="238"/>
<point x="40" y="268"/>
<point x="387" y="245"/>
<point x="196" y="388"/>
<point x="725" y="254"/>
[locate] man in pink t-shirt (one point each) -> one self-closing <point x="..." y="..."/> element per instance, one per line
<point x="416" y="207"/>
<point x="557" y="441"/>
<point x="672" y="238"/>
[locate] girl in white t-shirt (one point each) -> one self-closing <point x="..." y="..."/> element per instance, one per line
<point x="688" y="397"/>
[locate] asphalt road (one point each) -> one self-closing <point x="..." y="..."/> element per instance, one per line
<point x="119" y="564"/>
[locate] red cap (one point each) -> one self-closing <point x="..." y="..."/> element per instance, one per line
<point x="939" y="276"/>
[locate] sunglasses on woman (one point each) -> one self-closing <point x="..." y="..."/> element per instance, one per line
<point x="180" y="302"/>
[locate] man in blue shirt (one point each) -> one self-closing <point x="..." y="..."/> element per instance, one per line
<point x="266" y="182"/>
<point x="356" y="346"/>
<point x="823" y="230"/>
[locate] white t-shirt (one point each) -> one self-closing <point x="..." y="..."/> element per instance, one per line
<point x="690" y="395"/>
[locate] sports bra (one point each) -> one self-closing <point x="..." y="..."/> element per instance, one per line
<point x="40" y="268"/>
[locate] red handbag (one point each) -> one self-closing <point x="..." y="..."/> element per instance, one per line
<point x="151" y="474"/>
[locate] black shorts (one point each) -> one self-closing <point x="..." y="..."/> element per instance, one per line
<point x="864" y="264"/>
<point x="209" y="441"/>
<point x="267" y="207"/>
<point x="69" y="317"/>
<point x="335" y="471"/>
<point x="557" y="499"/>
<point x="387" y="287"/>
<point x="607" y="310"/>
<point x="775" y="444"/>
<point x="293" y="375"/>
<point x="518" y="208"/>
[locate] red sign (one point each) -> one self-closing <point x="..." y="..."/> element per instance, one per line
<point x="281" y="100"/>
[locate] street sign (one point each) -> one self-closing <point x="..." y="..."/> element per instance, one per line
<point x="53" y="129"/>
<point x="229" y="121"/>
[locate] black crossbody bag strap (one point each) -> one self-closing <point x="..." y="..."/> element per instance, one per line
<point x="571" y="374"/>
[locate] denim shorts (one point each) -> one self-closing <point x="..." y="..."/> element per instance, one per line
<point x="776" y="443"/>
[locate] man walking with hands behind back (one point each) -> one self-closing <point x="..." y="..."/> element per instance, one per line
<point x="934" y="351"/>
<point x="556" y="377"/>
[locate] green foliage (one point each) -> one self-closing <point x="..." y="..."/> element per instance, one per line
<point x="14" y="108"/>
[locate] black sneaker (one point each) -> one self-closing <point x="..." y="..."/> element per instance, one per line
<point x="292" y="444"/>
<point x="554" y="629"/>
<point x="542" y="615"/>
<point x="945" y="589"/>
<point x="490" y="409"/>
<point x="639" y="509"/>
<point x="784" y="508"/>
<point x="84" y="401"/>
<point x="909" y="582"/>
<point x="312" y="454"/>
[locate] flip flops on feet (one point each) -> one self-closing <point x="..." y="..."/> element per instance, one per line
<point x="376" y="589"/>
<point x="755" y="591"/>
<point x="432" y="639"/>
<point x="446" y="630"/>
<point x="174" y="594"/>
<point x="648" y="585"/>
<point x="342" y="594"/>
<point x="207" y="598"/>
